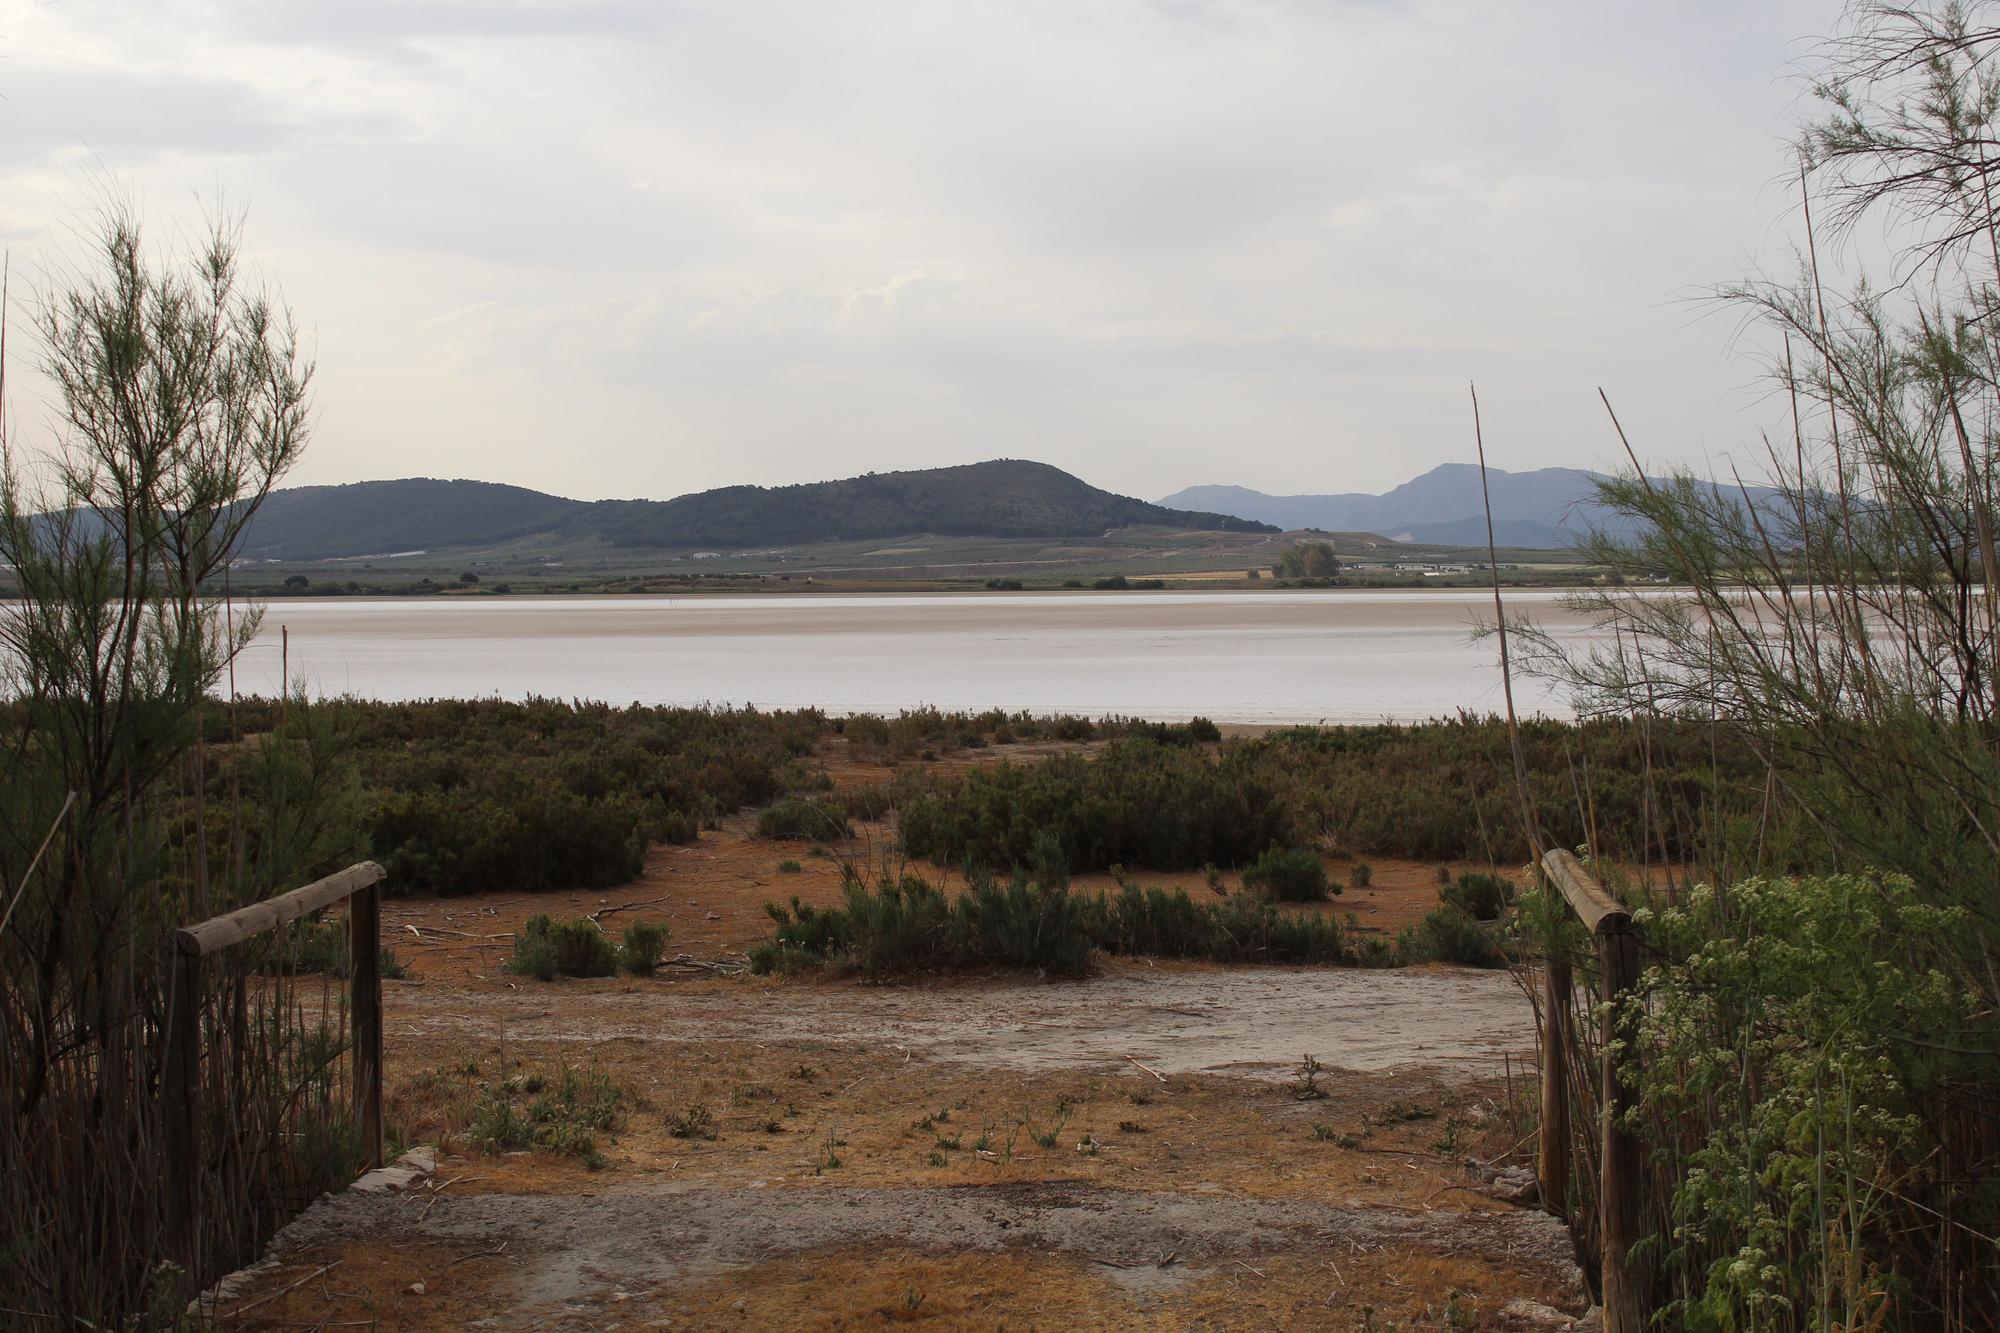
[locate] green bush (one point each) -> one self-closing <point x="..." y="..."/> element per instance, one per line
<point x="1162" y="923"/>
<point x="1817" y="1010"/>
<point x="1138" y="803"/>
<point x="643" y="945"/>
<point x="1296" y="875"/>
<point x="1481" y="896"/>
<point x="910" y="925"/>
<point x="546" y="949"/>
<point x="1447" y="935"/>
<point x="1362" y="874"/>
<point x="805" y="820"/>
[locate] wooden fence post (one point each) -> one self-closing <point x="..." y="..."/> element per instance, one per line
<point x="180" y="1090"/>
<point x="364" y="940"/>
<point x="1553" y="1164"/>
<point x="1622" y="1185"/>
<point x="1625" y="1287"/>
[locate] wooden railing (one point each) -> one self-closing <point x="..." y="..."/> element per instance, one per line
<point x="360" y="887"/>
<point x="1624" y="1288"/>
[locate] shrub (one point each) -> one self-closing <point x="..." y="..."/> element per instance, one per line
<point x="1481" y="896"/>
<point x="908" y="924"/>
<point x="563" y="1115"/>
<point x="315" y="945"/>
<point x="643" y="945"/>
<point x="1447" y="935"/>
<point x="789" y="867"/>
<point x="805" y="820"/>
<point x="1797" y="1003"/>
<point x="1362" y="874"/>
<point x="1293" y="876"/>
<point x="1139" y="803"/>
<point x="546" y="949"/>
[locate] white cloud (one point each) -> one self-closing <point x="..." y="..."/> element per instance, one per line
<point x="632" y="248"/>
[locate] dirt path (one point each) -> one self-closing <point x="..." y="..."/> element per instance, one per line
<point x="956" y="1155"/>
<point x="1250" y="1022"/>
<point x="665" y="1257"/>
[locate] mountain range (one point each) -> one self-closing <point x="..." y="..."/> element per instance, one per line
<point x="1000" y="498"/>
<point x="1547" y="508"/>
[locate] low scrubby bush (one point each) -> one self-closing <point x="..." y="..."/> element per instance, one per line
<point x="805" y="820"/>
<point x="642" y="947"/>
<point x="1166" y="923"/>
<point x="909" y="924"/>
<point x="1444" y="790"/>
<point x="1481" y="896"/>
<point x="1139" y="803"/>
<point x="547" y="948"/>
<point x="1447" y="935"/>
<point x="1293" y="875"/>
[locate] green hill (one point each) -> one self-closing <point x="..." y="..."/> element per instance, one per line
<point x="1003" y="498"/>
<point x="387" y="517"/>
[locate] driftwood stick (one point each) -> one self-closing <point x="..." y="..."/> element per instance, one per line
<point x="1148" y="1068"/>
<point x="626" y="907"/>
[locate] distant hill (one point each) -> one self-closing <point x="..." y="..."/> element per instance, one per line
<point x="1003" y="498"/>
<point x="386" y="517"/>
<point x="1549" y="507"/>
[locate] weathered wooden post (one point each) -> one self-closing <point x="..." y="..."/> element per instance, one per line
<point x="1622" y="1191"/>
<point x="364" y="946"/>
<point x="1552" y="1168"/>
<point x="1621" y="1202"/>
<point x="180" y="1091"/>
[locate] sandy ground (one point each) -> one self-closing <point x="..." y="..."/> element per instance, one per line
<point x="1138" y="1149"/>
<point x="1177" y="1019"/>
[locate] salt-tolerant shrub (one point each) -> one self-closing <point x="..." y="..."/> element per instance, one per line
<point x="547" y="948"/>
<point x="1139" y="803"/>
<point x="908" y="924"/>
<point x="1447" y="935"/>
<point x="1481" y="896"/>
<point x="1294" y="875"/>
<point x="642" y="946"/>
<point x="805" y="820"/>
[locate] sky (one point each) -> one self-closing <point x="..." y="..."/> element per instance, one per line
<point x="624" y="248"/>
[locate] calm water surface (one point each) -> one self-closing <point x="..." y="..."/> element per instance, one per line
<point x="1338" y="656"/>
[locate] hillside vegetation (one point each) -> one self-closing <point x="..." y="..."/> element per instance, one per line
<point x="1002" y="498"/>
<point x="388" y="517"/>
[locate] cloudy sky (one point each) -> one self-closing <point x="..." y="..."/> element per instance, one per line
<point x="641" y="247"/>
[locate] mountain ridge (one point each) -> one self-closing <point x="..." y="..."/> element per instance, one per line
<point x="1546" y="507"/>
<point x="999" y="498"/>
